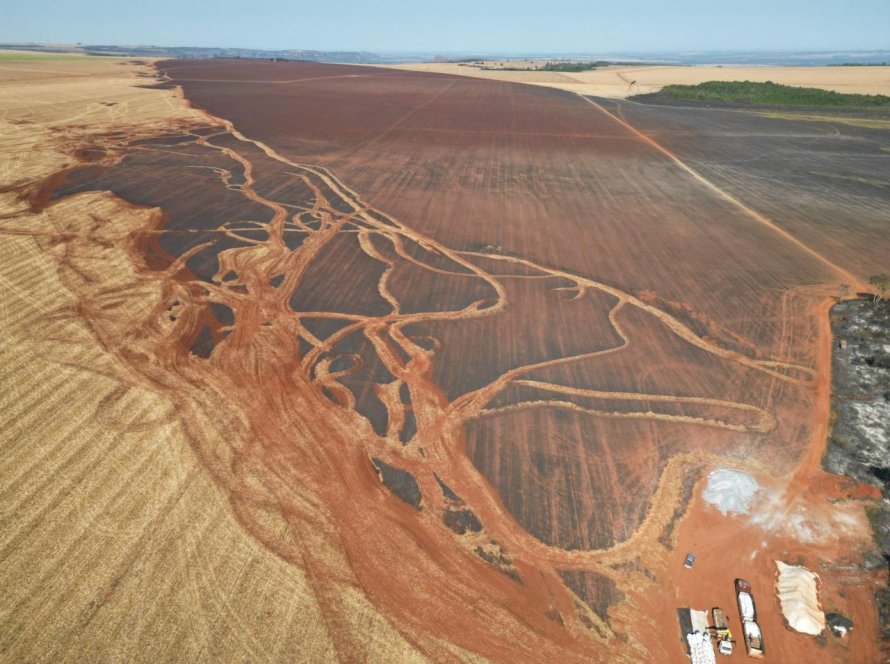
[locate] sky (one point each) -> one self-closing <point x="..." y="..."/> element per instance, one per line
<point x="451" y="26"/>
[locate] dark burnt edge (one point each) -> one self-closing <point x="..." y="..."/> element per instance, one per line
<point x="401" y="483"/>
<point x="598" y="592"/>
<point x="498" y="559"/>
<point x="853" y="343"/>
<point x="462" y="521"/>
<point x="94" y="159"/>
<point x="691" y="476"/>
<point x="447" y="491"/>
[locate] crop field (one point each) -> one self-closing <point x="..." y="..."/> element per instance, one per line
<point x="453" y="352"/>
<point x="620" y="81"/>
<point x="36" y="56"/>
<point x="823" y="179"/>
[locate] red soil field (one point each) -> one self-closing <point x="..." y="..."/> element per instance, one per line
<point x="463" y="345"/>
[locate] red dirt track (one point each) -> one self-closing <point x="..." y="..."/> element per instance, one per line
<point x="536" y="313"/>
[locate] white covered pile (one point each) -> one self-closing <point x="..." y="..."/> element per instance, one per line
<point x="730" y="491"/>
<point x="700" y="649"/>
<point x="798" y="595"/>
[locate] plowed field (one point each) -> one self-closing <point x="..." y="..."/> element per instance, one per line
<point x="460" y="348"/>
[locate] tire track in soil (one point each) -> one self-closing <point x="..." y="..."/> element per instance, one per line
<point x="276" y="470"/>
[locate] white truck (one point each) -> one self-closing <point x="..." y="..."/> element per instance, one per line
<point x="700" y="649"/>
<point x="748" y="613"/>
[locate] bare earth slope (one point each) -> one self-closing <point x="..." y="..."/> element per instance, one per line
<point x="455" y="351"/>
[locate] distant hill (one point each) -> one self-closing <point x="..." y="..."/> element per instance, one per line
<point x="212" y="52"/>
<point x="729" y="58"/>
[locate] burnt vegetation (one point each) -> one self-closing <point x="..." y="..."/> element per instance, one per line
<point x="465" y="337"/>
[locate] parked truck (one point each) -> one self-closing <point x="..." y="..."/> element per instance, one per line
<point x="747" y="610"/>
<point x="748" y="613"/>
<point x="721" y="631"/>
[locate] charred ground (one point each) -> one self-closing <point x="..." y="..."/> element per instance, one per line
<point x="859" y="445"/>
<point x="475" y="331"/>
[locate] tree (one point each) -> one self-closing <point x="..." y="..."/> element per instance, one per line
<point x="881" y="282"/>
<point x="843" y="292"/>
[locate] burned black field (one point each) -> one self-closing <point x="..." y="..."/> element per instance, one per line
<point x="821" y="174"/>
<point x="445" y="343"/>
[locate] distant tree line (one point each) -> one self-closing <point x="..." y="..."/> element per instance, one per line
<point x="563" y="66"/>
<point x="770" y="93"/>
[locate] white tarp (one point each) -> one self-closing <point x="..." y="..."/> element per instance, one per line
<point x="746" y="606"/>
<point x="700" y="649"/>
<point x="798" y="596"/>
<point x="699" y="620"/>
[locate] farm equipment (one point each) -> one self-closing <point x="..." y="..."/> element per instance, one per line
<point x="721" y="631"/>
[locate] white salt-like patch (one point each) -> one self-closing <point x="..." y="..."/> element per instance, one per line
<point x="772" y="512"/>
<point x="730" y="491"/>
<point x="736" y="493"/>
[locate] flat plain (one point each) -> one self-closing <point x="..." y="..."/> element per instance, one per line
<point x="446" y="357"/>
<point x="619" y="81"/>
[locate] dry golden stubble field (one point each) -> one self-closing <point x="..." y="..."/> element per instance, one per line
<point x="115" y="543"/>
<point x="72" y="232"/>
<point x="615" y="81"/>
